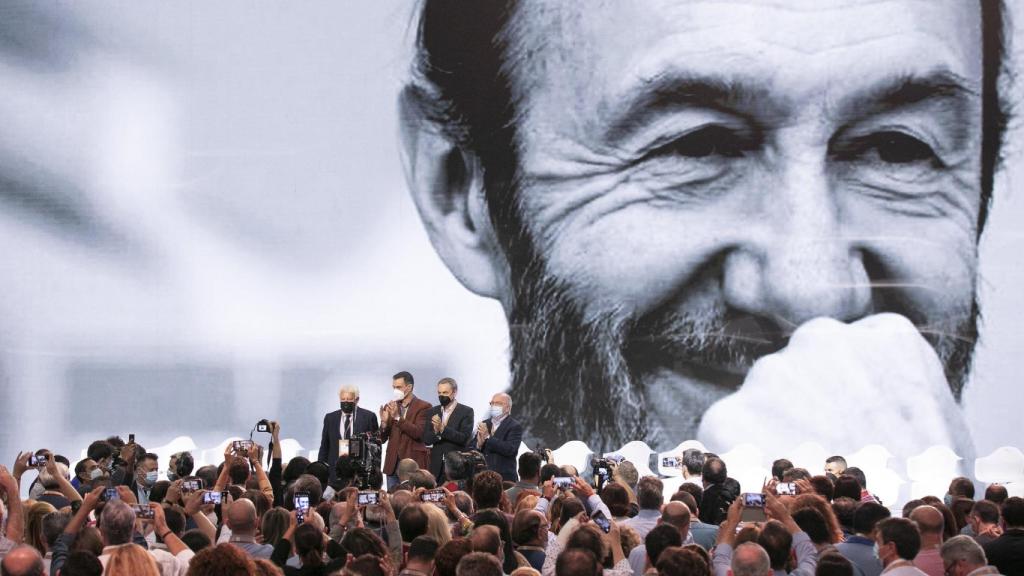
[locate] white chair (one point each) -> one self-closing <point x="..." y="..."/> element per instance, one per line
<point x="930" y="471"/>
<point x="637" y="452"/>
<point x="745" y="463"/>
<point x="811" y="457"/>
<point x="573" y="453"/>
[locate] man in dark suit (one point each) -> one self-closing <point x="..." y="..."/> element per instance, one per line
<point x="344" y="424"/>
<point x="449" y="426"/>
<point x="499" y="436"/>
<point x="1007" y="551"/>
<point x="402" y="422"/>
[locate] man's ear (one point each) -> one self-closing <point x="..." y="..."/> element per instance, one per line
<point x="447" y="186"/>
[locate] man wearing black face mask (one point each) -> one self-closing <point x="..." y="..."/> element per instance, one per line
<point x="449" y="426"/>
<point x="344" y="424"/>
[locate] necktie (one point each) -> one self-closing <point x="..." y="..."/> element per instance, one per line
<point x="348" y="428"/>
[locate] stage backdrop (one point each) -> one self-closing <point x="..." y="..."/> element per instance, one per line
<point x="205" y="222"/>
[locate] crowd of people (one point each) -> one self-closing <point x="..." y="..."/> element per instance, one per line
<point x="111" y="514"/>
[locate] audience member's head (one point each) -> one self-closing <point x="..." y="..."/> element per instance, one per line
<point x="577" y="562"/>
<point x="776" y="541"/>
<point x="867" y="516"/>
<point x="714" y="471"/>
<point x="996" y="493"/>
<point x="131" y="560"/>
<point x="693" y="462"/>
<point x="448" y="556"/>
<point x="859" y="475"/>
<point x="813" y="523"/>
<point x="846" y="487"/>
<point x="833" y="564"/>
<point x="844" y="509"/>
<point x="82" y="563"/>
<point x="962" y="555"/>
<point x="823" y="487"/>
<point x="961" y="486"/>
<point x="478" y="564"/>
<point x="487" y="489"/>
<point x="117" y="523"/>
<point x="779" y="468"/>
<point x="659" y="538"/>
<point x="422" y="551"/>
<point x="615" y="496"/>
<point x="361" y="541"/>
<point x="221" y="560"/>
<point x="897" y="538"/>
<point x="22" y="560"/>
<point x="750" y="559"/>
<point x="835" y="465"/>
<point x="529" y="467"/>
<point x="196" y="540"/>
<point x="983" y="515"/>
<point x="650" y="494"/>
<point x="679" y="561"/>
<point x="413" y="521"/>
<point x="1012" y="512"/>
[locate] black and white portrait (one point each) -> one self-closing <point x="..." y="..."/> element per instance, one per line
<point x="754" y="222"/>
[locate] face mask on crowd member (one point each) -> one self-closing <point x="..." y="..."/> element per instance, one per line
<point x="400" y="389"/>
<point x="501" y="404"/>
<point x="146" y="472"/>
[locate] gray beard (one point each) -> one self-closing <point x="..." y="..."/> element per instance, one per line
<point x="579" y="376"/>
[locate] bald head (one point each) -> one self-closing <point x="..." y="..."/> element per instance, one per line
<point x="242" y="517"/>
<point x="677" y="515"/>
<point x="750" y="559"/>
<point x="22" y="560"/>
<point x="928" y="519"/>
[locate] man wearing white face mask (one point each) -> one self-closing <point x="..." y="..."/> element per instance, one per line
<point x="402" y="421"/>
<point x="146" y="474"/>
<point x="498" y="438"/>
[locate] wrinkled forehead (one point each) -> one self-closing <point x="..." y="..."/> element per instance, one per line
<point x="587" y="55"/>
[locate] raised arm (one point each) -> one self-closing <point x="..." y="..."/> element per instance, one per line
<point x="15" y="513"/>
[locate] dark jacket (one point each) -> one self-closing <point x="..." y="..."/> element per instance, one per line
<point x="365" y="421"/>
<point x="1007" y="552"/>
<point x="714" y="505"/>
<point x="502" y="449"/>
<point x="405" y="438"/>
<point x="454" y="437"/>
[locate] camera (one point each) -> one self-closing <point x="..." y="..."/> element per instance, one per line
<point x="602" y="468"/>
<point x="263" y="425"/>
<point x="460" y="467"/>
<point x="365" y="453"/>
<point x="143" y="512"/>
<point x="37" y="460"/>
<point x="366" y="498"/>
<point x="435" y="495"/>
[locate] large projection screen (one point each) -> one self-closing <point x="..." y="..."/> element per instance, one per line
<point x="218" y="212"/>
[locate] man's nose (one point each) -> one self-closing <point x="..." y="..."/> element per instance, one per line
<point x="798" y="262"/>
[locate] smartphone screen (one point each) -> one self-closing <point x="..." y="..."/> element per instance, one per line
<point x="110" y="494"/>
<point x="368" y="498"/>
<point x="562" y="482"/>
<point x="601" y="521"/>
<point x="786" y="488"/>
<point x="143" y="512"/>
<point x="212" y="498"/>
<point x="432" y="496"/>
<point x="753" y="508"/>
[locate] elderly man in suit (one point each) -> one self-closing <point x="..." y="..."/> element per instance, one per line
<point x="348" y="422"/>
<point x="449" y="426"/>
<point x="499" y="436"/>
<point x="402" y="422"/>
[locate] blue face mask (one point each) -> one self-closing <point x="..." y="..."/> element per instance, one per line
<point x="497" y="411"/>
<point x="874" y="552"/>
<point x="948" y="499"/>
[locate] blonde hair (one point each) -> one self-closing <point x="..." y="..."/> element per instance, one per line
<point x="437" y="525"/>
<point x="131" y="560"/>
<point x="34" y="514"/>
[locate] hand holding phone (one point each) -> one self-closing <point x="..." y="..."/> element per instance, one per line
<point x="436" y="495"/>
<point x="368" y="498"/>
<point x="787" y="488"/>
<point x="753" y="508"/>
<point x="601" y="521"/>
<point x="143" y="512"/>
<point x="301" y="502"/>
<point x="212" y="498"/>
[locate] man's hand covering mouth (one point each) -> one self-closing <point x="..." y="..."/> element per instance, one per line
<point x="843" y="386"/>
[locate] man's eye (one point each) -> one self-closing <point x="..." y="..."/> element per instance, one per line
<point x="897" y="148"/>
<point x="709" y="141"/>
